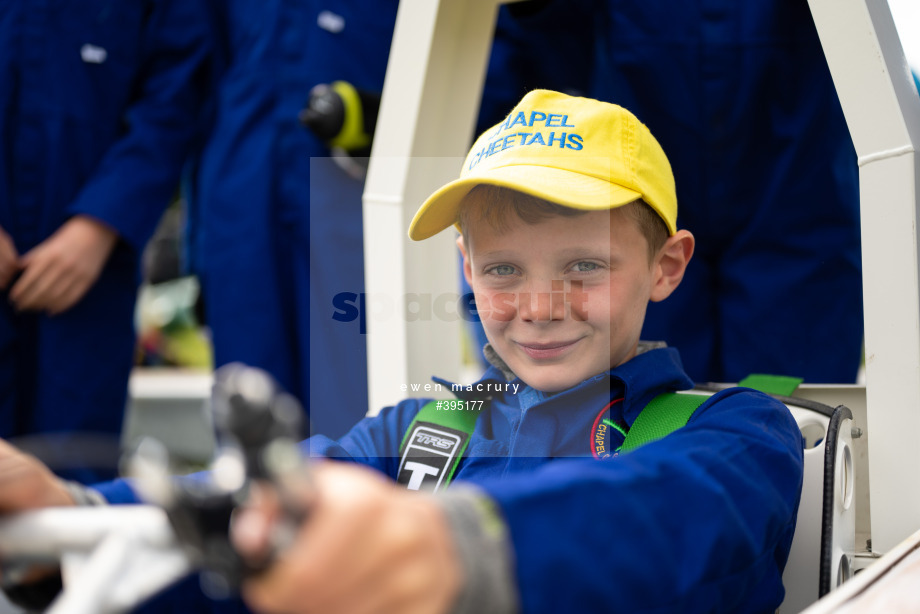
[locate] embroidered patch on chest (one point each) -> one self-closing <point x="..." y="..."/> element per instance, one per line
<point x="606" y="432"/>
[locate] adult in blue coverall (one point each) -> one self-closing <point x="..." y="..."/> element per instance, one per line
<point x="99" y="100"/>
<point x="278" y="229"/>
<point x="740" y="96"/>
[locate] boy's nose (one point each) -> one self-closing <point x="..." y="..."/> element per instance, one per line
<point x="542" y="302"/>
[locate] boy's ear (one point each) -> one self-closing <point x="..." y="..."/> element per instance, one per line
<point x="671" y="263"/>
<point x="467" y="265"/>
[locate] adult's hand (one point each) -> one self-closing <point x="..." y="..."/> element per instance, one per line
<point x="26" y="483"/>
<point x="61" y="269"/>
<point x="9" y="259"/>
<point x="366" y="547"/>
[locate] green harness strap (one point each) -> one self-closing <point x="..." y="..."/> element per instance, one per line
<point x="781" y="385"/>
<point x="671" y="410"/>
<point x="436" y="441"/>
<point x="665" y="414"/>
<point x="461" y="419"/>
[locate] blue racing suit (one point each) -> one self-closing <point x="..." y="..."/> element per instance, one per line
<point x="700" y="521"/>
<point x="99" y="100"/>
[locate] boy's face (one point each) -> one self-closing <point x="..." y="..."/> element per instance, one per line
<point x="563" y="299"/>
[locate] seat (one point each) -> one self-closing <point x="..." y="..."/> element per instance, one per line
<point x="824" y="545"/>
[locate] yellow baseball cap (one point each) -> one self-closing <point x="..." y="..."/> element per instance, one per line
<point x="575" y="152"/>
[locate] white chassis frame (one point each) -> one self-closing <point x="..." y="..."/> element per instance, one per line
<point x="112" y="557"/>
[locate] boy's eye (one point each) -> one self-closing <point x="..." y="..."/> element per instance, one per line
<point x="584" y="267"/>
<point x="501" y="269"/>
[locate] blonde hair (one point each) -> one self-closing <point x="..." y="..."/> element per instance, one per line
<point x="495" y="205"/>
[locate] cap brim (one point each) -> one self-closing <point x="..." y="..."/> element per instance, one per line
<point x="562" y="187"/>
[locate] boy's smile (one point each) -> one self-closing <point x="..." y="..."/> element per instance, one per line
<point x="563" y="299"/>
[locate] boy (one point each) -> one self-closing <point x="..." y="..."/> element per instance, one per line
<point x="568" y="221"/>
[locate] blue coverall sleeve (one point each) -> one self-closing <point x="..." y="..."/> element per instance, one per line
<point x="136" y="178"/>
<point x="118" y="491"/>
<point x="699" y="521"/>
<point x="373" y="442"/>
